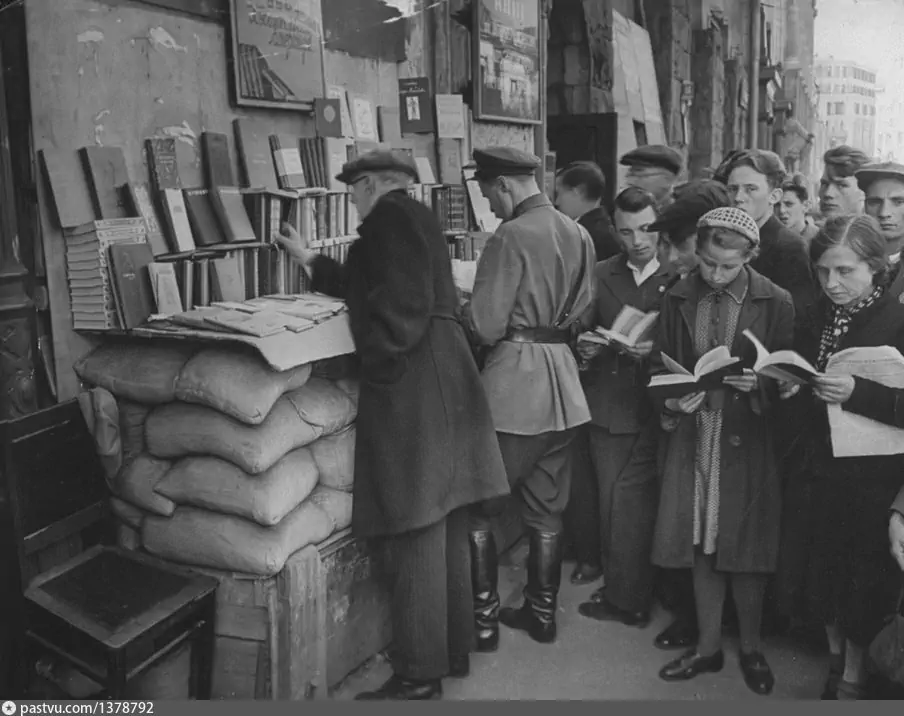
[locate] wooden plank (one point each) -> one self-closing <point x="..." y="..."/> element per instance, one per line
<point x="302" y="616"/>
<point x="235" y="668"/>
<point x="249" y="623"/>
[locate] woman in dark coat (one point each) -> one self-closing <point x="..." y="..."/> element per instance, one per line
<point x="426" y="445"/>
<point x="720" y="503"/>
<point x="836" y="564"/>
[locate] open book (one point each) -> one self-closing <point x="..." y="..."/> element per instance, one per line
<point x="631" y="327"/>
<point x="854" y="435"/>
<point x="712" y="367"/>
<point x="786" y="366"/>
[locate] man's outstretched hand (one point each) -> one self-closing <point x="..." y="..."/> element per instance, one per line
<point x="295" y="245"/>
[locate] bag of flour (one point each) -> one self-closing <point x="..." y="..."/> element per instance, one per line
<point x="142" y="371"/>
<point x="220" y="486"/>
<point x="136" y="481"/>
<point x="238" y="383"/>
<point x="126" y="514"/>
<point x="101" y="415"/>
<point x="325" y="405"/>
<point x="335" y="503"/>
<point x="207" y="539"/>
<point x="335" y="458"/>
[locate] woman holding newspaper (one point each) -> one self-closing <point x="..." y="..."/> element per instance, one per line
<point x="836" y="564"/>
<point x="720" y="503"/>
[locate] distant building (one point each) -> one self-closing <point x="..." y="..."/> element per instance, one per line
<point x="848" y="94"/>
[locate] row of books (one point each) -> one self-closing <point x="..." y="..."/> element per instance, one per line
<point x="448" y="203"/>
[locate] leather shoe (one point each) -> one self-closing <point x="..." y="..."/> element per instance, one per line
<point x="605" y="611"/>
<point x="586" y="574"/>
<point x="757" y="674"/>
<point x="459" y="666"/>
<point x="691" y="664"/>
<point x="399" y="688"/>
<point x="836" y="671"/>
<point x="680" y="634"/>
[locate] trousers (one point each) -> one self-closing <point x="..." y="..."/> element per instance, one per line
<point x="538" y="468"/>
<point x="432" y="613"/>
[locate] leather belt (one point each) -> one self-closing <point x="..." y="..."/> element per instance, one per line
<point x="538" y="335"/>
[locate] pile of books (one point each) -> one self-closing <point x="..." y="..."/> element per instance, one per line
<point x="91" y="288"/>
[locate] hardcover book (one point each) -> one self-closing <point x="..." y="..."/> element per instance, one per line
<point x="201" y="216"/>
<point x="177" y="223"/>
<point x="68" y="188"/>
<point x="162" y="163"/>
<point x="217" y="162"/>
<point x="129" y="273"/>
<point x="230" y="209"/>
<point x="106" y="170"/>
<point x="255" y="157"/>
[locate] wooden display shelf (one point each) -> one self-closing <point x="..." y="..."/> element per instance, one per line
<point x="296" y="635"/>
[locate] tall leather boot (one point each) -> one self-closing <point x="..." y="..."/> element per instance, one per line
<point x="485" y="583"/>
<point x="537" y="616"/>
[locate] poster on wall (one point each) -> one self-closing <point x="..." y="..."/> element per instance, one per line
<point x="277" y="53"/>
<point x="507" y="51"/>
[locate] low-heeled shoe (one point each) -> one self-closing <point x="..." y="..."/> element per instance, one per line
<point x="691" y="664"/>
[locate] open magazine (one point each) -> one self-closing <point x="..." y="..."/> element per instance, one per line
<point x="631" y="326"/>
<point x="786" y="365"/>
<point x="708" y="373"/>
<point x="854" y="435"/>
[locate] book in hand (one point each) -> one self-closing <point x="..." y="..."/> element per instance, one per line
<point x="786" y="366"/>
<point x="631" y="327"/>
<point x="708" y="374"/>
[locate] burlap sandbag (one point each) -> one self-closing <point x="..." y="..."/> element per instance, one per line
<point x="325" y="405"/>
<point x="136" y="481"/>
<point x="351" y="388"/>
<point x="297" y="419"/>
<point x="101" y="415"/>
<point x="207" y="539"/>
<point x="132" y="417"/>
<point x="335" y="503"/>
<point x="220" y="486"/>
<point x="127" y="514"/>
<point x="237" y="383"/>
<point x="335" y="458"/>
<point x="143" y="371"/>
<point x="180" y="430"/>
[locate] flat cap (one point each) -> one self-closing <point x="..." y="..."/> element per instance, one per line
<point x="378" y="160"/>
<point x="869" y="173"/>
<point x="692" y="200"/>
<point x="495" y="162"/>
<point x="654" y="155"/>
<point x="730" y="217"/>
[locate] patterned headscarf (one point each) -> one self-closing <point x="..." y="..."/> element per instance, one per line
<point x="839" y="324"/>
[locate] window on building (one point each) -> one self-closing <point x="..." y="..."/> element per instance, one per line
<point x="844" y="71"/>
<point x="828" y="109"/>
<point x="829" y="71"/>
<point x="856" y="108"/>
<point x="839" y="108"/>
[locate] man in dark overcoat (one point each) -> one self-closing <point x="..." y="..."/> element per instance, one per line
<point x="426" y="448"/>
<point x="533" y="282"/>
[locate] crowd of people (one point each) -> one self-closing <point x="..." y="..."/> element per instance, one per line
<point x="681" y="499"/>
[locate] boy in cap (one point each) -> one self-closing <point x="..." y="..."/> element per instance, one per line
<point x="883" y="187"/>
<point x="839" y="192"/>
<point x="653" y="168"/>
<point x="533" y="283"/>
<point x="425" y="446"/>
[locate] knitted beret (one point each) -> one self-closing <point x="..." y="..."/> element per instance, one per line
<point x="730" y="217"/>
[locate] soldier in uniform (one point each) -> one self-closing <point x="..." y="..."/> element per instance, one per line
<point x="655" y="169"/>
<point x="533" y="283"/>
<point x="425" y="448"/>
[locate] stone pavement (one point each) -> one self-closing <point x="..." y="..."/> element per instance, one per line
<point x="592" y="660"/>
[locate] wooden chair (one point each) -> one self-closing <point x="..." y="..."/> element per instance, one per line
<point x="110" y="613"/>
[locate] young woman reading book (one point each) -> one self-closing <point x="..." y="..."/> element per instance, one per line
<point x="720" y="502"/>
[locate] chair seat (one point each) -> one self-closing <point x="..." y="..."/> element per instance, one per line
<point x="115" y="595"/>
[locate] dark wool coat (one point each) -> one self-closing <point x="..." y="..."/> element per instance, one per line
<point x="602" y="233"/>
<point x="835" y="551"/>
<point x="750" y="505"/>
<point x="425" y="439"/>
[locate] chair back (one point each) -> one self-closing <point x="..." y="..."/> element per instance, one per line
<point x="54" y="477"/>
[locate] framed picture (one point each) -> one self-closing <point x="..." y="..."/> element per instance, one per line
<point x="277" y="53"/>
<point x="506" y="50"/>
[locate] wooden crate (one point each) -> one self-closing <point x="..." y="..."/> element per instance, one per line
<point x="293" y="636"/>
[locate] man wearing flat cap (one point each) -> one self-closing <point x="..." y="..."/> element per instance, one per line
<point x="883" y="187"/>
<point x="426" y="448"/>
<point x="533" y="283"/>
<point x="655" y="169"/>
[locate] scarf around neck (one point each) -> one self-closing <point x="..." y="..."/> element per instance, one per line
<point x="839" y="324"/>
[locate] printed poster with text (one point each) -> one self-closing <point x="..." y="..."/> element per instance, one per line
<point x="277" y="53"/>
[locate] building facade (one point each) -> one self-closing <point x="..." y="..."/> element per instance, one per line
<point x="848" y="102"/>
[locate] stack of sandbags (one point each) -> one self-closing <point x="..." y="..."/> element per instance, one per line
<point x="227" y="463"/>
